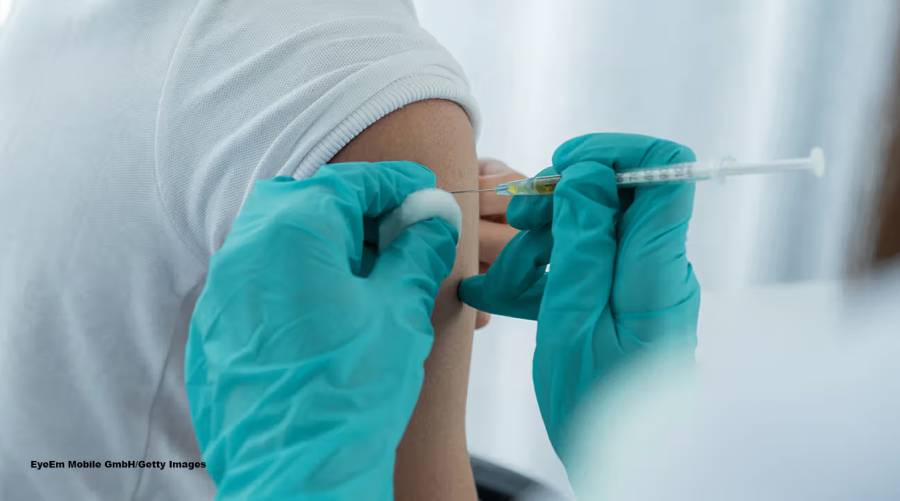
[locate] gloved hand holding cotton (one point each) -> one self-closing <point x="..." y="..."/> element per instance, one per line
<point x="306" y="348"/>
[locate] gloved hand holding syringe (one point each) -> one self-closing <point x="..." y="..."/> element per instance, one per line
<point x="672" y="173"/>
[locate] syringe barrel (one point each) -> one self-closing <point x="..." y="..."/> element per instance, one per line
<point x="689" y="171"/>
<point x="683" y="172"/>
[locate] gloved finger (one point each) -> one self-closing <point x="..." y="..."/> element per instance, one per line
<point x="521" y="263"/>
<point x="369" y="189"/>
<point x="528" y="212"/>
<point x="525" y="305"/>
<point x="420" y="258"/>
<point x="585" y="207"/>
<point x="621" y="152"/>
<point x="378" y="187"/>
<point x="652" y="235"/>
<point x="513" y="285"/>
<point x="324" y="214"/>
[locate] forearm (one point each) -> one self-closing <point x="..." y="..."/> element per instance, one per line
<point x="432" y="460"/>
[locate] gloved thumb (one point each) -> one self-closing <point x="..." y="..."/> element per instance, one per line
<point x="514" y="284"/>
<point x="418" y="260"/>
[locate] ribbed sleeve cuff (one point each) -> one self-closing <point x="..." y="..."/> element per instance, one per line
<point x="397" y="94"/>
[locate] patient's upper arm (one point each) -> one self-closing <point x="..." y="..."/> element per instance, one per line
<point x="432" y="460"/>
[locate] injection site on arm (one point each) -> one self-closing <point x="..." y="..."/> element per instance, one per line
<point x="432" y="459"/>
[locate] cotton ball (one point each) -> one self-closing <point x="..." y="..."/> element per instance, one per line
<point x="419" y="206"/>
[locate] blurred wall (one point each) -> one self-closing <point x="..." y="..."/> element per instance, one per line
<point x="753" y="79"/>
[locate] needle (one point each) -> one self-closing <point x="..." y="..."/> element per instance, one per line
<point x="473" y="191"/>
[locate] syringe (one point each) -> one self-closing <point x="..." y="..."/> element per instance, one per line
<point x="672" y="173"/>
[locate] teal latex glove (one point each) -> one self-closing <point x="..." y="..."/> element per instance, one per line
<point x="306" y="348"/>
<point x="619" y="282"/>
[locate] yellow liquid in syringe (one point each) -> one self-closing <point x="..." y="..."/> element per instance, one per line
<point x="541" y="185"/>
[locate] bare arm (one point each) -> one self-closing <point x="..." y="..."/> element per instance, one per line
<point x="432" y="460"/>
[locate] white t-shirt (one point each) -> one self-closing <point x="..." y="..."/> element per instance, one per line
<point x="130" y="132"/>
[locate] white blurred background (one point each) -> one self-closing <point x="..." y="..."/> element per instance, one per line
<point x="753" y="79"/>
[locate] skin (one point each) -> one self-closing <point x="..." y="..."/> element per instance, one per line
<point x="432" y="459"/>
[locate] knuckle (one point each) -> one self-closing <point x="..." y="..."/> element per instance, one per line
<point x="671" y="151"/>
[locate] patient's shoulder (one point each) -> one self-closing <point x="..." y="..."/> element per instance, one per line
<point x="434" y="132"/>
